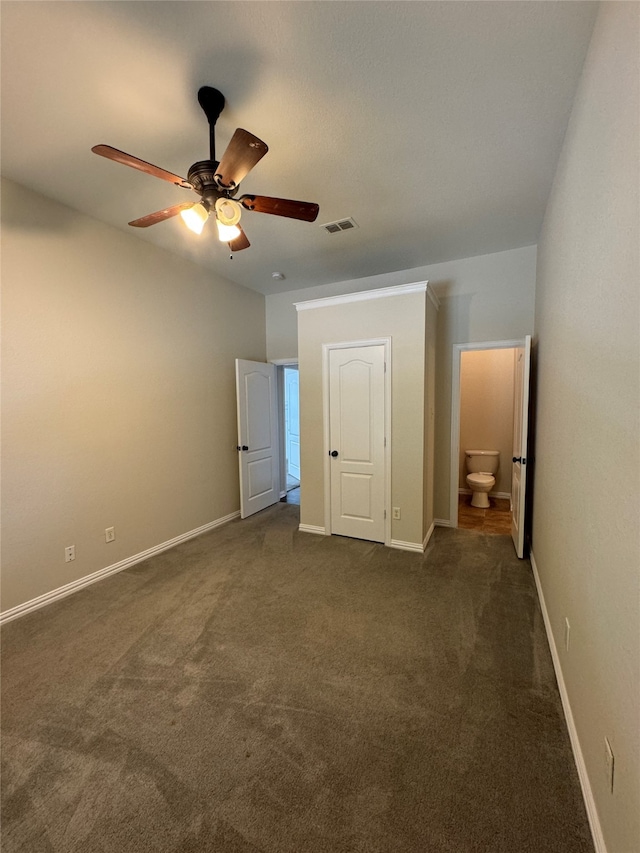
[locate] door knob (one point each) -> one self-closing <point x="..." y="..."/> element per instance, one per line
<point x="519" y="459"/>
<point x="333" y="453"/>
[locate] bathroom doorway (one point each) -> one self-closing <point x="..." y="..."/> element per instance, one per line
<point x="483" y="382"/>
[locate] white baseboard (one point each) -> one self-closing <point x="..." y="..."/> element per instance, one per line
<point x="406" y="546"/>
<point x="587" y="793"/>
<point x="312" y="528"/>
<point x="442" y="522"/>
<point x="505" y="495"/>
<point x="428" y="536"/>
<point x="74" y="586"/>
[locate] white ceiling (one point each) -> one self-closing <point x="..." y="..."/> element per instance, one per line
<point x="436" y="125"/>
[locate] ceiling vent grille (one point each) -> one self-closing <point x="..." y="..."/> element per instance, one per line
<point x="340" y="225"/>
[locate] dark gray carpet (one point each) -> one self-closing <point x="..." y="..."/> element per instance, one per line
<point x="261" y="690"/>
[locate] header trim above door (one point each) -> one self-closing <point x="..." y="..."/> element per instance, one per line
<point x="363" y="295"/>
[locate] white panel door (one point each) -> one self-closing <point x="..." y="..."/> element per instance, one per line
<point x="520" y="436"/>
<point x="292" y="419"/>
<point x="356" y="428"/>
<point x="257" y="435"/>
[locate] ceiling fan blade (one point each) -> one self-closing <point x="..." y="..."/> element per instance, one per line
<point x="242" y="154"/>
<point x="161" y="215"/>
<point x="241" y="242"/>
<point x="128" y="160"/>
<point x="305" y="210"/>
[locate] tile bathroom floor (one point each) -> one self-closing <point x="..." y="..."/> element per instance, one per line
<point x="495" y="519"/>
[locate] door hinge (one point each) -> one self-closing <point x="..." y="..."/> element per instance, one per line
<point x="385" y="513"/>
<point x="385" y="441"/>
<point x="385" y="367"/>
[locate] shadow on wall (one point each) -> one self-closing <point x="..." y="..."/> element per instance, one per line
<point x="17" y="216"/>
<point x="454" y="313"/>
<point x="453" y="326"/>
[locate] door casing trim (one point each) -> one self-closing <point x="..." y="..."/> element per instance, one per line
<point x="326" y="349"/>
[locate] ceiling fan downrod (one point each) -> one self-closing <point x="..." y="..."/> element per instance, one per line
<point x="212" y="103"/>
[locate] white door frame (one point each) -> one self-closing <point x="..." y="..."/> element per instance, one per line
<point x="326" y="349"/>
<point x="456" y="361"/>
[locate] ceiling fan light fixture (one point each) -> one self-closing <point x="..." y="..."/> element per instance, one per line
<point x="215" y="182"/>
<point x="228" y="211"/>
<point x="227" y="233"/>
<point x="195" y="217"/>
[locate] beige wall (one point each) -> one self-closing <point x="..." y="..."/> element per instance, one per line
<point x="486" y="298"/>
<point x="118" y="395"/>
<point x="587" y="474"/>
<point x="486" y="409"/>
<point x="402" y="318"/>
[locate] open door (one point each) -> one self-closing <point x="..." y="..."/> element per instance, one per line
<point x="520" y="436"/>
<point x="258" y="450"/>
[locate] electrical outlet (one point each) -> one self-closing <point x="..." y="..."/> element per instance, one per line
<point x="567" y="630"/>
<point x="109" y="534"/>
<point x="396" y="512"/>
<point x="69" y="553"/>
<point x="610" y="763"/>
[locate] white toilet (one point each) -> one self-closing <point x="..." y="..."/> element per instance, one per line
<point x="482" y="466"/>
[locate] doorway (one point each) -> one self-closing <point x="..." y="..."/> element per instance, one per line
<point x="289" y="428"/>
<point x="490" y="389"/>
<point x="486" y="422"/>
<point x="292" y="429"/>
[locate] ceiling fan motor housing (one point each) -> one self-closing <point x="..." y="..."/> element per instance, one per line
<point x="202" y="177"/>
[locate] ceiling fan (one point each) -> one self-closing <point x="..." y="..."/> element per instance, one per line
<point x="216" y="182"/>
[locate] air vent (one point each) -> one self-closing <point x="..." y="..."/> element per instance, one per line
<point x="340" y="225"/>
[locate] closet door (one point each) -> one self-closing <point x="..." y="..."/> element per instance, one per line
<point x="356" y="423"/>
